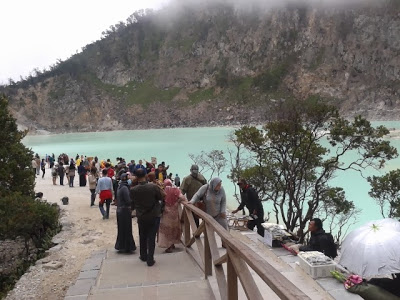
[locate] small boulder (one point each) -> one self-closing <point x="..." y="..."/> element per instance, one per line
<point x="87" y="241"/>
<point x="53" y="265"/>
<point x="55" y="249"/>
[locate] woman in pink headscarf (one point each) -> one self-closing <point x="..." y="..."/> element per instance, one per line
<point x="170" y="227"/>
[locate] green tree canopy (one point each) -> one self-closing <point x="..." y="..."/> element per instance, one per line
<point x="386" y="192"/>
<point x="15" y="173"/>
<point x="292" y="168"/>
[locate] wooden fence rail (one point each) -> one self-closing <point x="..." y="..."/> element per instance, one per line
<point x="238" y="257"/>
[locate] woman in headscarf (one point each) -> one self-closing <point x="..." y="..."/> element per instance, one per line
<point x="125" y="242"/>
<point x="170" y="228"/>
<point x="213" y="195"/>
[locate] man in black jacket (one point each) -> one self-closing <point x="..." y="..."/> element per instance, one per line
<point x="147" y="197"/>
<point x="319" y="240"/>
<point x="250" y="199"/>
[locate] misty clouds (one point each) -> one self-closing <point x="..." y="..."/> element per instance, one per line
<point x="275" y="3"/>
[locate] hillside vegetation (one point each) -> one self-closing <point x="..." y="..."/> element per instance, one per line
<point x="219" y="64"/>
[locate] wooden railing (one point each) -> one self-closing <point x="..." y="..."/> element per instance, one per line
<point x="238" y="257"/>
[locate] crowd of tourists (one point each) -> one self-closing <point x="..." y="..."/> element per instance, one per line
<point x="152" y="193"/>
<point x="155" y="196"/>
<point x="141" y="187"/>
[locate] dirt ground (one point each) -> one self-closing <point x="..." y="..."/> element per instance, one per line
<point x="84" y="231"/>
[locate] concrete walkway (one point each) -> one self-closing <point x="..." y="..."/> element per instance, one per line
<point x="110" y="275"/>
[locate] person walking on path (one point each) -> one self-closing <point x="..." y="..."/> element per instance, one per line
<point x="92" y="185"/>
<point x="54" y="174"/>
<point x="34" y="166"/>
<point x="67" y="173"/>
<point x="169" y="232"/>
<point x="177" y="181"/>
<point x="249" y="198"/>
<point x="191" y="184"/>
<point x="82" y="174"/>
<point x="51" y="161"/>
<point x="213" y="195"/>
<point x="37" y="159"/>
<point x="125" y="242"/>
<point x="104" y="189"/>
<point x="71" y="174"/>
<point x="147" y="197"/>
<point x="61" y="172"/>
<point x="43" y="167"/>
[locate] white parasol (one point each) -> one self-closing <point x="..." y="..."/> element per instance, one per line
<point x="373" y="249"/>
<point x="388" y="223"/>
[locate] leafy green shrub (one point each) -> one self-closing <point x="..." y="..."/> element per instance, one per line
<point x="25" y="217"/>
<point x="22" y="216"/>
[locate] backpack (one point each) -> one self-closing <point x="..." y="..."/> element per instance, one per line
<point x="331" y="251"/>
<point x="65" y="200"/>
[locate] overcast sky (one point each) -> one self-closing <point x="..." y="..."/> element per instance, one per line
<point x="34" y="34"/>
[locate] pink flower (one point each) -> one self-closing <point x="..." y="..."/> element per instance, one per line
<point x="352" y="280"/>
<point x="356" y="279"/>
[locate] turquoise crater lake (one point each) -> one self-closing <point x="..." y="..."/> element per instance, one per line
<point x="174" y="145"/>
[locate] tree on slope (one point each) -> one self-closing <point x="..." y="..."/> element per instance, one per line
<point x="386" y="192"/>
<point x="15" y="173"/>
<point x="292" y="167"/>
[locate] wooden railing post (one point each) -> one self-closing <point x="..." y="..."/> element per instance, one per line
<point x="207" y="256"/>
<point x="186" y="226"/>
<point x="239" y="259"/>
<point x="232" y="281"/>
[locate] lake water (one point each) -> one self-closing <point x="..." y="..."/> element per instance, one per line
<point x="174" y="145"/>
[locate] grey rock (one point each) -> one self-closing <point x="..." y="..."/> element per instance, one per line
<point x="53" y="265"/>
<point x="55" y="249"/>
<point x="57" y="240"/>
<point x="87" y="241"/>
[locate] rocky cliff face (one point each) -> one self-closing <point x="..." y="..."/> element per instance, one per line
<point x="220" y="65"/>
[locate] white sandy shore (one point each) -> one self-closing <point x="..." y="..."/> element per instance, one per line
<point x="85" y="231"/>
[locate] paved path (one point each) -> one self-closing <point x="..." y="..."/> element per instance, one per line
<point x="109" y="275"/>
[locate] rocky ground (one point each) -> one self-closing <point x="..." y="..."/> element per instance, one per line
<point x="83" y="231"/>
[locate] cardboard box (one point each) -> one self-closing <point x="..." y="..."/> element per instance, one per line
<point x="317" y="271"/>
<point x="271" y="240"/>
<point x="268" y="238"/>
